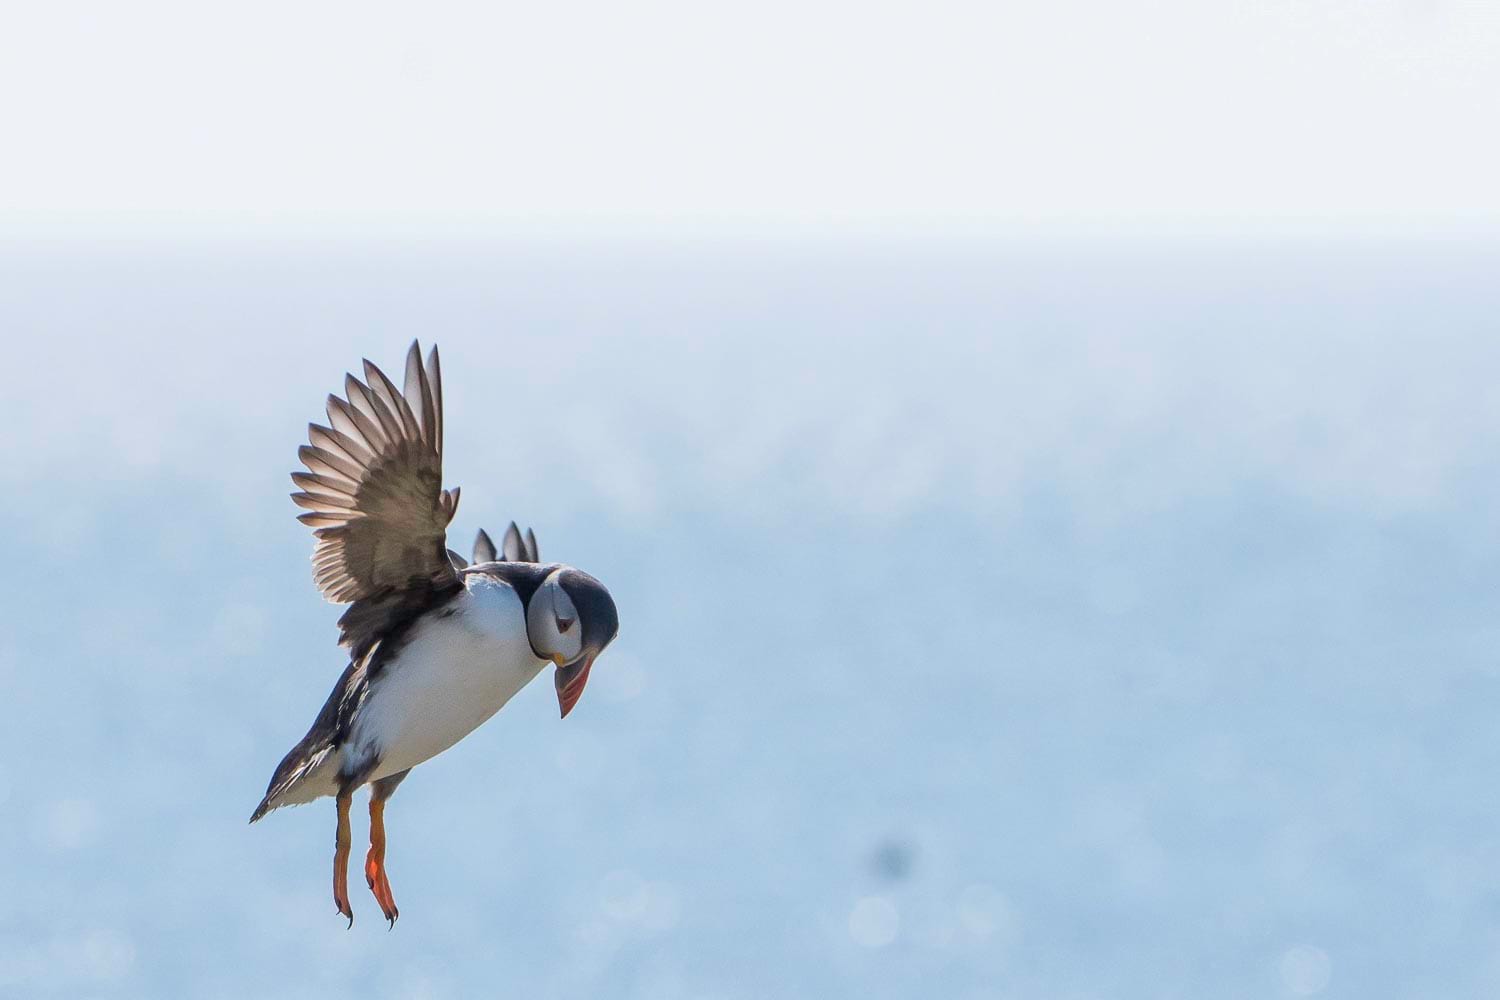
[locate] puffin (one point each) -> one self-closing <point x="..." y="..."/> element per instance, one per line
<point x="436" y="644"/>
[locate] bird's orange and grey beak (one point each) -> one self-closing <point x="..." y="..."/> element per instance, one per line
<point x="570" y="681"/>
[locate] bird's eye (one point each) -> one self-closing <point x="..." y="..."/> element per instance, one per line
<point x="563" y="624"/>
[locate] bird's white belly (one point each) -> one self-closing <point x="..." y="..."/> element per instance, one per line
<point x="452" y="674"/>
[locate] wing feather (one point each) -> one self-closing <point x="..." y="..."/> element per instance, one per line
<point x="361" y="398"/>
<point x="318" y="519"/>
<point x="418" y="393"/>
<point x="341" y="445"/>
<point x="355" y="426"/>
<point x="385" y="391"/>
<point x="512" y="546"/>
<point x="435" y="382"/>
<point x="314" y="482"/>
<point x="484" y="548"/>
<point x="328" y="464"/>
<point x="325" y="502"/>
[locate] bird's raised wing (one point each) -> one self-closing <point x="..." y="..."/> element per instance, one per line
<point x="374" y="495"/>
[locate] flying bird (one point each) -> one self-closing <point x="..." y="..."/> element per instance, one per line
<point x="436" y="644"/>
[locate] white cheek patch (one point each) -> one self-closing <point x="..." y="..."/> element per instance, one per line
<point x="547" y="605"/>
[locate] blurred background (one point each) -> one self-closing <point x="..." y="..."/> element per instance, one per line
<point x="1044" y="454"/>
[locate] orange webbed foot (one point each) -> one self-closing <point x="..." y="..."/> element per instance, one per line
<point x="375" y="875"/>
<point x="380" y="886"/>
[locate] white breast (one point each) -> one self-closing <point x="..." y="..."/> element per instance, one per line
<point x="453" y="672"/>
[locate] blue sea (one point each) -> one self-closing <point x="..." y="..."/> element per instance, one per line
<point x="1000" y="621"/>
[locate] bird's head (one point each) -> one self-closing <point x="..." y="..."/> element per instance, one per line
<point x="570" y="619"/>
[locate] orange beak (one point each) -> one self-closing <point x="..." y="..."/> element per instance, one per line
<point x="570" y="681"/>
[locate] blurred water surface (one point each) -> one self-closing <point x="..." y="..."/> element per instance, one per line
<point x="998" y="622"/>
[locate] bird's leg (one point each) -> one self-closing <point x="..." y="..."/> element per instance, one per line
<point x="375" y="875"/>
<point x="341" y="858"/>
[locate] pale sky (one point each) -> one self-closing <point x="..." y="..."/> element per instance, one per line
<point x="1143" y="602"/>
<point x="976" y="117"/>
